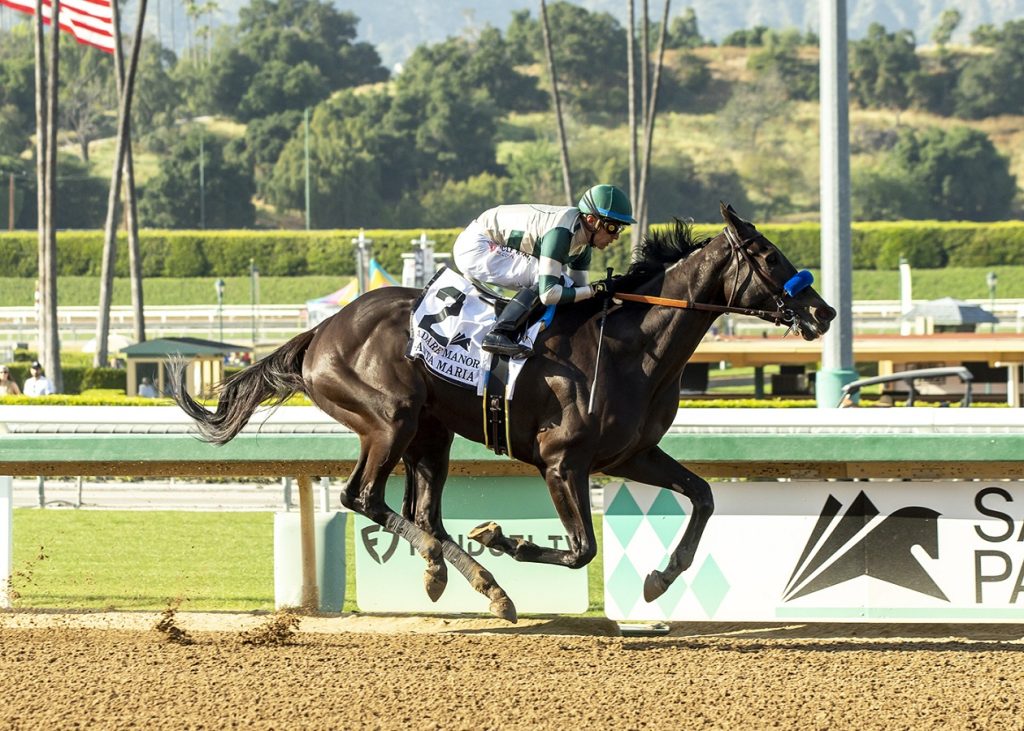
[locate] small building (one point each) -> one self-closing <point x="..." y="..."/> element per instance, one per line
<point x="948" y="315"/>
<point x="205" y="363"/>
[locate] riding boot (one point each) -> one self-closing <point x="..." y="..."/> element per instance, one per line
<point x="502" y="338"/>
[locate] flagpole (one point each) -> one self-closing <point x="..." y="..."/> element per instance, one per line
<point x="51" y="347"/>
<point x="40" y="51"/>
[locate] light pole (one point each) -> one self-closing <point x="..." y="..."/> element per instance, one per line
<point x="254" y="279"/>
<point x="219" y="286"/>
<point x="990" y="279"/>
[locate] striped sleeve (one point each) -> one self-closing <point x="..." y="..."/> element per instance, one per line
<point x="579" y="267"/>
<point x="553" y="253"/>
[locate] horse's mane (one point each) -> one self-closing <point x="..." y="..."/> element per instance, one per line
<point x="658" y="250"/>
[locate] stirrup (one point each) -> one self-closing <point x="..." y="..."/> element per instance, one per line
<point x="503" y="345"/>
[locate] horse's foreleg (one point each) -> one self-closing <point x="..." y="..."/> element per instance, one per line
<point x="426" y="462"/>
<point x="654" y="467"/>
<point x="570" y="493"/>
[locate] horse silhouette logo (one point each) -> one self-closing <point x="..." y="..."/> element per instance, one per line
<point x="864" y="543"/>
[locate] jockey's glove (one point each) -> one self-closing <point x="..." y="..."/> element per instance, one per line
<point x="602" y="289"/>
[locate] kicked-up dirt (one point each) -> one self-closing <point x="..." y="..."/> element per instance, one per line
<point x="102" y="671"/>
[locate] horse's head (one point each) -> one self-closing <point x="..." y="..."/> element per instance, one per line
<point x="760" y="277"/>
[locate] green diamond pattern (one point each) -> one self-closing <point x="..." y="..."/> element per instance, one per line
<point x="671" y="598"/>
<point x="710" y="586"/>
<point x="666" y="504"/>
<point x="625" y="585"/>
<point x="623" y="516"/>
<point x="666" y="517"/>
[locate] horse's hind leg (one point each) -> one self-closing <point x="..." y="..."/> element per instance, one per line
<point x="426" y="464"/>
<point x="364" y="492"/>
<point x="422" y="502"/>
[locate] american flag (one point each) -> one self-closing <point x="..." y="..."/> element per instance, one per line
<point x="89" y="21"/>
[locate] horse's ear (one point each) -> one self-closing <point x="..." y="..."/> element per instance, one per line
<point x="729" y="215"/>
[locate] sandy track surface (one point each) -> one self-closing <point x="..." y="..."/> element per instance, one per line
<point x="353" y="672"/>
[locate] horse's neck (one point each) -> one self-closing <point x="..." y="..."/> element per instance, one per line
<point x="673" y="334"/>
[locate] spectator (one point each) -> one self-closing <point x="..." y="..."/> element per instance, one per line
<point x="146" y="388"/>
<point x="7" y="386"/>
<point x="37" y="384"/>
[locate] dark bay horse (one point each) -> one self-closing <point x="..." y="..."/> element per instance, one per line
<point x="353" y="367"/>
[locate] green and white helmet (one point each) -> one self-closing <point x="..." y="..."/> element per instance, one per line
<point x="607" y="201"/>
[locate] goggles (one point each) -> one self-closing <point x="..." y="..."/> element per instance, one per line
<point x="614" y="228"/>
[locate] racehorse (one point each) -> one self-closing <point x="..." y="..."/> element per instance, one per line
<point x="353" y="367"/>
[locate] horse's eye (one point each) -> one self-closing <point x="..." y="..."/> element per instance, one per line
<point x="772" y="259"/>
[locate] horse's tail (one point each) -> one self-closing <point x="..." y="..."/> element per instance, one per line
<point x="276" y="377"/>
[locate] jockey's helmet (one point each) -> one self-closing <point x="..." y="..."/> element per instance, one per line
<point x="607" y="201"/>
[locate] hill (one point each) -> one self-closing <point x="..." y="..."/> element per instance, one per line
<point x="398" y="26"/>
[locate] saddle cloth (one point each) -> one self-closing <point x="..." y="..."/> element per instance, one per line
<point x="449" y="321"/>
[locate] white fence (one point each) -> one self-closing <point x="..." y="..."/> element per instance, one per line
<point x="276" y="323"/>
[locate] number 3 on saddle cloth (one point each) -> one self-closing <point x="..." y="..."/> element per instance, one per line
<point x="448" y="323"/>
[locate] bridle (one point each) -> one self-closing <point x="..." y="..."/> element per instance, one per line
<point x="781" y="315"/>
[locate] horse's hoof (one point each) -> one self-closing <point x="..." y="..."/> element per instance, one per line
<point x="503" y="608"/>
<point x="654" y="586"/>
<point x="486" y="533"/>
<point x="435" y="580"/>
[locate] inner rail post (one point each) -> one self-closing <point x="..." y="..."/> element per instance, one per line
<point x="310" y="591"/>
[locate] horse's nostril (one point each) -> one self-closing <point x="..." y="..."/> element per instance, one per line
<point x="825" y="314"/>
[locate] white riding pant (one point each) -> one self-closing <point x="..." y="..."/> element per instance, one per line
<point x="478" y="257"/>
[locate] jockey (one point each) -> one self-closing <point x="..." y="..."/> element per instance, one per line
<point x="529" y="247"/>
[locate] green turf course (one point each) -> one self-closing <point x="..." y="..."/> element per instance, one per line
<point x="143" y="560"/>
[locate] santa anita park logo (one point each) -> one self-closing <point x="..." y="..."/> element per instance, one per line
<point x="817" y="550"/>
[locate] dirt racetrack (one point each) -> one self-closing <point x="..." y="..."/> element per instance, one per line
<point x="101" y="671"/>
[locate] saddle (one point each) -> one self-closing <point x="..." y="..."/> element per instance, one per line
<point x="448" y="321"/>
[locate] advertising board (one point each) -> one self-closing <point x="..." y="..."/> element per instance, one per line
<point x="389" y="574"/>
<point x="824" y="551"/>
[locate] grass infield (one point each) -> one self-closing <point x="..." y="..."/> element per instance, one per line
<point x="144" y="560"/>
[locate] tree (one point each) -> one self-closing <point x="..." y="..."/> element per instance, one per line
<point x="993" y="83"/>
<point x="158" y="94"/>
<point x="446" y="108"/>
<point x="173" y="198"/>
<point x="585" y="44"/>
<point x="946" y="175"/>
<point x="746" y="38"/>
<point x="284" y="55"/>
<point x="359" y="167"/>
<point x="683" y="32"/>
<point x="456" y="203"/>
<point x="278" y="86"/>
<point x="17" y="120"/>
<point x="87" y="93"/>
<point x="948" y="22"/>
<point x="264" y="140"/>
<point x="881" y="66"/>
<point x="779" y="55"/>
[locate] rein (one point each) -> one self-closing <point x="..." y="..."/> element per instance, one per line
<point x="781" y="315"/>
<point x="778" y="316"/>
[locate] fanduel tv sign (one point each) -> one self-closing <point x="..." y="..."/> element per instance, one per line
<point x="824" y="551"/>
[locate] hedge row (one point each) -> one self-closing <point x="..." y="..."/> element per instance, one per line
<point x="78" y="378"/>
<point x="876" y="245"/>
<point x="217" y="253"/>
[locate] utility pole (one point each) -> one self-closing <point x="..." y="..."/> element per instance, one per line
<point x="254" y="298"/>
<point x="219" y="288"/>
<point x="202" y="181"/>
<point x="363" y="252"/>
<point x="837" y="349"/>
<point x="305" y="119"/>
